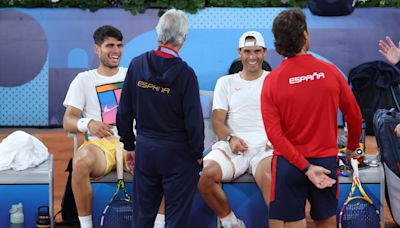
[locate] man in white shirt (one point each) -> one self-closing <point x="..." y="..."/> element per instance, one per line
<point x="91" y="106"/>
<point x="237" y="121"/>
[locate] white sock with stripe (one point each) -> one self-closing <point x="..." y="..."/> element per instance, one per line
<point x="86" y="221"/>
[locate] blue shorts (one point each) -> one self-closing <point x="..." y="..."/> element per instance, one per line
<point x="290" y="188"/>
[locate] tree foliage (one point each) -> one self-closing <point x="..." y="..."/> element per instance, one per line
<point x="191" y="6"/>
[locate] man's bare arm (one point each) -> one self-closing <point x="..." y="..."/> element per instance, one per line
<point x="219" y="123"/>
<point x="71" y="117"/>
<point x="222" y="131"/>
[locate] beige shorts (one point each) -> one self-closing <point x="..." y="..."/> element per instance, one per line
<point x="235" y="165"/>
<point x="108" y="147"/>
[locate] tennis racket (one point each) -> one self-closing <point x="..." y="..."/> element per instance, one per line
<point x="358" y="211"/>
<point x="119" y="211"/>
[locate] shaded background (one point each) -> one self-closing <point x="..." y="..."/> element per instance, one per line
<point x="44" y="49"/>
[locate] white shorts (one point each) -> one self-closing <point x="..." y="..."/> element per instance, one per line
<point x="235" y="165"/>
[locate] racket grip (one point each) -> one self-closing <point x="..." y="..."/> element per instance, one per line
<point x="359" y="155"/>
<point x="120" y="165"/>
<point x="354" y="165"/>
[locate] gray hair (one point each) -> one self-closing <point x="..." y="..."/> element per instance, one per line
<point x="172" y="27"/>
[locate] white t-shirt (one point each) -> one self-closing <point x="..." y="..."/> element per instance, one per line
<point x="96" y="95"/>
<point x="242" y="100"/>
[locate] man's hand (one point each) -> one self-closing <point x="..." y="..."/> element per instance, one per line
<point x="318" y="175"/>
<point x="397" y="130"/>
<point x="353" y="153"/>
<point x="389" y="50"/>
<point x="100" y="129"/>
<point x="238" y="145"/>
<point x="130" y="160"/>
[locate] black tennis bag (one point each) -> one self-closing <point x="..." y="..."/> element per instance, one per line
<point x="389" y="146"/>
<point x="68" y="211"/>
<point x="331" y="7"/>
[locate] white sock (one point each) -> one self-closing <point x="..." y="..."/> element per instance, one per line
<point x="160" y="221"/>
<point x="86" y="221"/>
<point x="229" y="219"/>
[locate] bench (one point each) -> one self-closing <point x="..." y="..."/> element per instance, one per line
<point x="104" y="188"/>
<point x="245" y="198"/>
<point x="32" y="187"/>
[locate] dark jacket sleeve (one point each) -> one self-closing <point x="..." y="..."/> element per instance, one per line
<point x="126" y="111"/>
<point x="352" y="113"/>
<point x="193" y="115"/>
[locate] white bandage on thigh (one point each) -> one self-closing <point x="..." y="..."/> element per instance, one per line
<point x="225" y="163"/>
<point x="232" y="166"/>
<point x="82" y="124"/>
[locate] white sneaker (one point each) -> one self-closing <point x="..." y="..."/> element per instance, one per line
<point x="239" y="224"/>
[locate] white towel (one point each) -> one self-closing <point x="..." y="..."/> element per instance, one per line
<point x="21" y="150"/>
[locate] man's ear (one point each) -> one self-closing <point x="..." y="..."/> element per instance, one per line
<point x="306" y="35"/>
<point x="96" y="48"/>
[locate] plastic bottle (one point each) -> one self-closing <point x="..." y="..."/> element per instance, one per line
<point x="17" y="216"/>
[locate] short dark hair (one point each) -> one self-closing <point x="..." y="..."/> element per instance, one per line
<point x="106" y="31"/>
<point x="288" y="29"/>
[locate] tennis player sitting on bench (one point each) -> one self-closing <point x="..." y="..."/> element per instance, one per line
<point x="237" y="122"/>
<point x="89" y="96"/>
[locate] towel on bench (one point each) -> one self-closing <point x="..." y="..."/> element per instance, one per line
<point x="21" y="150"/>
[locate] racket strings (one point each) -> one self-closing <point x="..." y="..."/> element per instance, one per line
<point x="118" y="214"/>
<point x="360" y="213"/>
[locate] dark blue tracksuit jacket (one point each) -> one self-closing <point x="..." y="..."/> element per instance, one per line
<point x="162" y="95"/>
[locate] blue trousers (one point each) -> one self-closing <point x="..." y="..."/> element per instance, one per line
<point x="163" y="168"/>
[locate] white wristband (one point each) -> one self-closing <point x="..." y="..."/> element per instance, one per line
<point x="82" y="124"/>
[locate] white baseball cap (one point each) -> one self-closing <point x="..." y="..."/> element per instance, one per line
<point x="258" y="42"/>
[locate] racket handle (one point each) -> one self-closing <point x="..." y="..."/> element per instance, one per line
<point x="354" y="165"/>
<point x="120" y="165"/>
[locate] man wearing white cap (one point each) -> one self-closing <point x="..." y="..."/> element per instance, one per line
<point x="243" y="145"/>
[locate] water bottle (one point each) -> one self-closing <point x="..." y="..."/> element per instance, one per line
<point x="17" y="216"/>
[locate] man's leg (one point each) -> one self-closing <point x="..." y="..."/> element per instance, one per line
<point x="147" y="182"/>
<point x="263" y="177"/>
<point x="89" y="161"/>
<point x="147" y="197"/>
<point x="288" y="195"/>
<point x="160" y="218"/>
<point x="210" y="188"/>
<point x="211" y="191"/>
<point x="329" y="223"/>
<point x="324" y="198"/>
<point x="179" y="191"/>
<point x="273" y="223"/>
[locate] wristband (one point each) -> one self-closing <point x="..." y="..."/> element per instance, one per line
<point x="307" y="168"/>
<point x="228" y="138"/>
<point x="82" y="124"/>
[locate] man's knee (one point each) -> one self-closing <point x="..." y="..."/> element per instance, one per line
<point x="263" y="174"/>
<point x="210" y="174"/>
<point x="264" y="166"/>
<point x="84" y="161"/>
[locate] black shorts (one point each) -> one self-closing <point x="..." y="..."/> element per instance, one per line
<point x="290" y="188"/>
